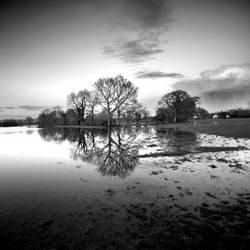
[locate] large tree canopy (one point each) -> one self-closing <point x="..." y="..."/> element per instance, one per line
<point x="178" y="106"/>
<point x="115" y="95"/>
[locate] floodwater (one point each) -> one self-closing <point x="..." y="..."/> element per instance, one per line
<point x="136" y="188"/>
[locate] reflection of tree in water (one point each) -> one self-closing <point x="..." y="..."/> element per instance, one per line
<point x="29" y="132"/>
<point x="113" y="151"/>
<point x="177" y="141"/>
<point x="57" y="135"/>
<point x="86" y="146"/>
<point x="118" y="157"/>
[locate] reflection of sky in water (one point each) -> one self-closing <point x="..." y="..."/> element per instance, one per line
<point x="53" y="163"/>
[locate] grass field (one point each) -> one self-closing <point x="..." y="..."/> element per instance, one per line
<point x="238" y="127"/>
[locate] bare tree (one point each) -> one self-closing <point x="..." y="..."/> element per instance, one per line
<point x="105" y="88"/>
<point x="140" y="113"/>
<point x="135" y="111"/>
<point x="126" y="94"/>
<point x="93" y="101"/>
<point x="114" y="94"/>
<point x="79" y="102"/>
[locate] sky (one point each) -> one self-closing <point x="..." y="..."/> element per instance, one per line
<point x="50" y="48"/>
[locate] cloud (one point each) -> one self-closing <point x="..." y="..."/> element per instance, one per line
<point x="228" y="71"/>
<point x="20" y="112"/>
<point x="3" y="109"/>
<point x="136" y="21"/>
<point x="157" y="74"/>
<point x="9" y="107"/>
<point x="32" y="107"/>
<point x="25" y="108"/>
<point x="135" y="51"/>
<point x="223" y="88"/>
<point x="148" y="14"/>
<point x="147" y="19"/>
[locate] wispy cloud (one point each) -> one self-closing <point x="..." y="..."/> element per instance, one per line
<point x="147" y="19"/>
<point x="23" y="107"/>
<point x="135" y="51"/>
<point x="9" y="107"/>
<point x="223" y="88"/>
<point x="228" y="71"/>
<point x="157" y="74"/>
<point x="32" y="107"/>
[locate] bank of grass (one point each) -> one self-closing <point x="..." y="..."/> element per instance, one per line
<point x="237" y="127"/>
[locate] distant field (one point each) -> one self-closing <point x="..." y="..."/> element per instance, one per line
<point x="238" y="127"/>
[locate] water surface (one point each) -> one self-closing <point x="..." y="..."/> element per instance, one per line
<point x="136" y="188"/>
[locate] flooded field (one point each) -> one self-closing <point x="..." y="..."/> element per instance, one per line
<point x="137" y="188"/>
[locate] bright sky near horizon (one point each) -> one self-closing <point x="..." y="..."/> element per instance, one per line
<point x="51" y="48"/>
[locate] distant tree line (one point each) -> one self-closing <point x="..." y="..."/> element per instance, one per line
<point x="232" y="113"/>
<point x="28" y="121"/>
<point x="111" y="102"/>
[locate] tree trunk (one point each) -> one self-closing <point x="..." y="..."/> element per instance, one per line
<point x="78" y="118"/>
<point x="109" y="117"/>
<point x="92" y="116"/>
<point x="109" y="121"/>
<point x="118" y="116"/>
<point x="83" y="114"/>
<point x="174" y="118"/>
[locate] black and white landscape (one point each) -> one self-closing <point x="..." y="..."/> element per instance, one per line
<point x="125" y="124"/>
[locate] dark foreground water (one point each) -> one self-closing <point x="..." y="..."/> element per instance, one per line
<point x="138" y="188"/>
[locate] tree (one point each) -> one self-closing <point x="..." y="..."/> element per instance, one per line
<point x="79" y="102"/>
<point x="105" y="88"/>
<point x="93" y="101"/>
<point x="145" y="114"/>
<point x="135" y="112"/>
<point x="162" y="115"/>
<point x="201" y="113"/>
<point x="43" y="118"/>
<point x="114" y="95"/>
<point x="126" y="94"/>
<point x="141" y="113"/>
<point x="29" y="120"/>
<point x="179" y="105"/>
<point x="129" y="112"/>
<point x="51" y="117"/>
<point x="71" y="117"/>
